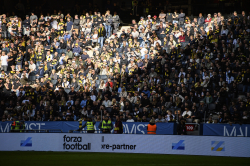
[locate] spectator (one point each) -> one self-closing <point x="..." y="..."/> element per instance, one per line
<point x="173" y="62"/>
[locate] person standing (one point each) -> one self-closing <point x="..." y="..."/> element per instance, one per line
<point x="151" y="128"/>
<point x="181" y="128"/>
<point x="181" y="17"/>
<point x="69" y="26"/>
<point x="106" y="125"/>
<point x="101" y="34"/>
<point x="76" y="24"/>
<point x="4" y="60"/>
<point x="109" y="21"/>
<point x="118" y="126"/>
<point x="90" y="126"/>
<point x="22" y="126"/>
<point x="17" y="125"/>
<point x="26" y="24"/>
<point x="116" y="20"/>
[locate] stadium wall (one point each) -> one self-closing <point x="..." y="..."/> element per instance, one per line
<point x="120" y="143"/>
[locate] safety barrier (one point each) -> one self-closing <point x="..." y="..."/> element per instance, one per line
<point x="234" y="130"/>
<point x="141" y="128"/>
<point x="124" y="143"/>
<point x="66" y="126"/>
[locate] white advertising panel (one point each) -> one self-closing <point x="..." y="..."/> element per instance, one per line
<point x="121" y="143"/>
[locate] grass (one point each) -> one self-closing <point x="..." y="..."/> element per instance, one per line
<point x="113" y="159"/>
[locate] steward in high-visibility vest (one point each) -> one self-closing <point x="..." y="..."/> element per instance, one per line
<point x="15" y="126"/>
<point x="151" y="128"/>
<point x="106" y="125"/>
<point x="90" y="126"/>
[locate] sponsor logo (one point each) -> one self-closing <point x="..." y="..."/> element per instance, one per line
<point x="235" y="132"/>
<point x="178" y="146"/>
<point x="75" y="143"/>
<point x="26" y="142"/>
<point x="118" y="146"/>
<point x="217" y="146"/>
<point x="190" y="127"/>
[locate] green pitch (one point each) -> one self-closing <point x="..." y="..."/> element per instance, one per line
<point x="113" y="159"/>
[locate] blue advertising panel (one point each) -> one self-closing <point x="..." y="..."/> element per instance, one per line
<point x="234" y="130"/>
<point x="128" y="127"/>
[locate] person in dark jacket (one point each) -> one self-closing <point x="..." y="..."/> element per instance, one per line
<point x="181" y="128"/>
<point x="101" y="35"/>
<point x="118" y="126"/>
<point x="40" y="72"/>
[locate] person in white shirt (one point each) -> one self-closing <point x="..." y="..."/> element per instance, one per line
<point x="160" y="119"/>
<point x="209" y="27"/>
<point x="49" y="56"/>
<point x="84" y="112"/>
<point x="167" y="117"/>
<point x="24" y="74"/>
<point x="32" y="66"/>
<point x="106" y="102"/>
<point x="157" y="41"/>
<point x="224" y="30"/>
<point x="65" y="83"/>
<point x="130" y="119"/>
<point x="182" y="73"/>
<point x="93" y="97"/>
<point x="4" y="62"/>
<point x="135" y="33"/>
<point x="70" y="101"/>
<point x="54" y="24"/>
<point x="187" y="113"/>
<point x="144" y="51"/>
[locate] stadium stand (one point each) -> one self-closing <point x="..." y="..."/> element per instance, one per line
<point x="166" y="66"/>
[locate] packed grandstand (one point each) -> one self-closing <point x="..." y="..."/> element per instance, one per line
<point x="166" y="67"/>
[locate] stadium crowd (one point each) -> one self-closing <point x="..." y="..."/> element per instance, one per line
<point x="167" y="67"/>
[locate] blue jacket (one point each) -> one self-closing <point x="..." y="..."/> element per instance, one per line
<point x="40" y="72"/>
<point x="66" y="37"/>
<point x="69" y="26"/>
<point x="140" y="64"/>
<point x="83" y="103"/>
<point x="147" y="92"/>
<point x="77" y="50"/>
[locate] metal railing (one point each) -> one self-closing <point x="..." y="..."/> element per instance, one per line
<point x="37" y="131"/>
<point x="83" y="131"/>
<point x="196" y="128"/>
